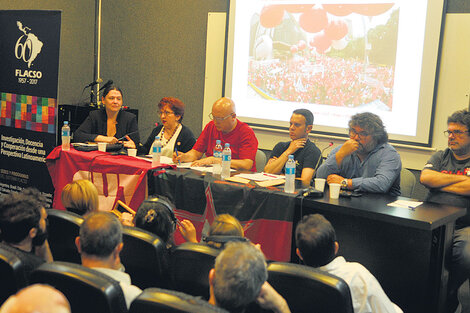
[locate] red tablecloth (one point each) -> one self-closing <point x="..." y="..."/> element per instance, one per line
<point x="117" y="177"/>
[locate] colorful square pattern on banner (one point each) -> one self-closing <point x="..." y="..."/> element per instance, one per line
<point x="28" y="112"/>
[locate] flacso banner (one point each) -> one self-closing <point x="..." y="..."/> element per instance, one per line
<point x="29" y="67"/>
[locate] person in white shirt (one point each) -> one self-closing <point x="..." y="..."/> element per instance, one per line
<point x="316" y="243"/>
<point x="99" y="245"/>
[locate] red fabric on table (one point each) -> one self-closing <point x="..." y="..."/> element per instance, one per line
<point x="117" y="177"/>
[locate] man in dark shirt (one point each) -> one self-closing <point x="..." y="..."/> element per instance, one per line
<point x="23" y="229"/>
<point x="446" y="174"/>
<point x="306" y="154"/>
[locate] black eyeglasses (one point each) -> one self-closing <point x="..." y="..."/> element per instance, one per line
<point x="353" y="133"/>
<point x="456" y="133"/>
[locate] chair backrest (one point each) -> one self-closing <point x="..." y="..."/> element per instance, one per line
<point x="307" y="289"/>
<point x="170" y="301"/>
<point x="145" y="258"/>
<point x="63" y="228"/>
<point x="190" y="267"/>
<point x="260" y="159"/>
<point x="12" y="273"/>
<point x="407" y="182"/>
<point x="86" y="289"/>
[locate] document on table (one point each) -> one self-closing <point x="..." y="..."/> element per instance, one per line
<point x="260" y="176"/>
<point x="167" y="160"/>
<point x="407" y="204"/>
<point x="163" y="159"/>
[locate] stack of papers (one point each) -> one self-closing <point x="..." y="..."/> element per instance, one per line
<point x="260" y="176"/>
<point x="407" y="204"/>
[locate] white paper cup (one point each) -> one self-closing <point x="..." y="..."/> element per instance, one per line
<point x="320" y="184"/>
<point x="102" y="146"/>
<point x="334" y="190"/>
<point x="132" y="152"/>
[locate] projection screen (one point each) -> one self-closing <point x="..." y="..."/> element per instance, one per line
<point x="336" y="58"/>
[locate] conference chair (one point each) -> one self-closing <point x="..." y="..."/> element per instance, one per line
<point x="87" y="290"/>
<point x="407" y="182"/>
<point x="190" y="267"/>
<point x="170" y="301"/>
<point x="307" y="289"/>
<point x="63" y="228"/>
<point x="12" y="274"/>
<point x="260" y="159"/>
<point x="145" y="258"/>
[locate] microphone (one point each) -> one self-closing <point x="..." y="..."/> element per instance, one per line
<point x="124" y="137"/>
<point x="99" y="80"/>
<point x="107" y="84"/>
<point x="132" y="133"/>
<point x="321" y="155"/>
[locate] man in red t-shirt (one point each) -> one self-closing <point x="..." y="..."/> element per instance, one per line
<point x="226" y="127"/>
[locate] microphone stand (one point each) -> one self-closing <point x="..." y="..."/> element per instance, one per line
<point x="97" y="56"/>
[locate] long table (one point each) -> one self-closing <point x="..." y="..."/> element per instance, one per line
<point x="405" y="249"/>
<point x="266" y="214"/>
<point x="117" y="177"/>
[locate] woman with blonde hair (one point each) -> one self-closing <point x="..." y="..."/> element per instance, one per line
<point x="80" y="197"/>
<point x="224" y="228"/>
<point x="226" y="225"/>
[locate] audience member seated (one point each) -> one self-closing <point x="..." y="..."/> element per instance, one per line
<point x="111" y="123"/>
<point x="224" y="228"/>
<point x="226" y="127"/>
<point x="306" y="153"/>
<point x="156" y="216"/>
<point x="37" y="298"/>
<point x="173" y="134"/>
<point x="99" y="245"/>
<point x="80" y="197"/>
<point x="316" y="243"/>
<point x="239" y="278"/>
<point x="23" y="227"/>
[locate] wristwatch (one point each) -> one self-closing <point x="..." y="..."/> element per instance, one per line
<point x="344" y="184"/>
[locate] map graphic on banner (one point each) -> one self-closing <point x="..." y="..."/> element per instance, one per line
<point x="29" y="63"/>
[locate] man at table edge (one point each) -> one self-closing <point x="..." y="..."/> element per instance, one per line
<point x="446" y="174"/>
<point x="366" y="162"/>
<point x="306" y="153"/>
<point x="226" y="127"/>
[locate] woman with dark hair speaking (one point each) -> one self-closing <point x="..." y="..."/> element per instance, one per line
<point x="171" y="132"/>
<point x="110" y="124"/>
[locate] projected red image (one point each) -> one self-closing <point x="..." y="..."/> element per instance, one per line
<point x="330" y="54"/>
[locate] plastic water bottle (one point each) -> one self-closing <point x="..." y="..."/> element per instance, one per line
<point x="289" y="186"/>
<point x="156" y="151"/>
<point x="226" y="159"/>
<point x="217" y="168"/>
<point x="66" y="136"/>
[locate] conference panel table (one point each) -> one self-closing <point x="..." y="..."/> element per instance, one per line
<point x="406" y="249"/>
<point x="117" y="177"/>
<point x="266" y="214"/>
